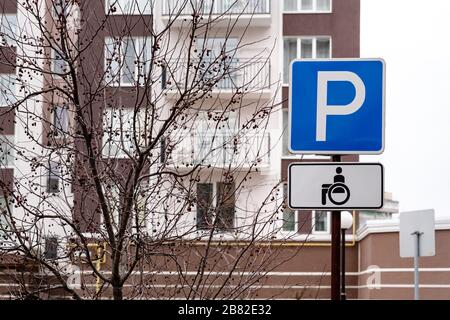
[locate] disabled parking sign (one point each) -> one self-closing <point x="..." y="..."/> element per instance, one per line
<point x="335" y="186"/>
<point x="337" y="106"/>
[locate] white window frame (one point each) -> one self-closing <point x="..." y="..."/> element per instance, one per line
<point x="9" y="33"/>
<point x="114" y="195"/>
<point x="67" y="8"/>
<point x="146" y="222"/>
<point x="106" y="143"/>
<point x="295" y="231"/>
<point x="215" y="45"/>
<point x="286" y="133"/>
<point x="109" y="143"/>
<point x="10" y="140"/>
<point x="53" y="66"/>
<point x="117" y="80"/>
<point x="71" y="14"/>
<point x="49" y="174"/>
<point x="206" y="140"/>
<point x="56" y="132"/>
<point x="295" y="212"/>
<point x="299" y="10"/>
<point x="313" y="222"/>
<point x="5" y="219"/>
<point x="115" y="215"/>
<point x="12" y="84"/>
<point x="120" y="11"/>
<point x="299" y="49"/>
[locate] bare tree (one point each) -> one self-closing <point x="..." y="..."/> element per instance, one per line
<point x="137" y="159"/>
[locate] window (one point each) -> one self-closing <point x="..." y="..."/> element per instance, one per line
<point x="6" y="151"/>
<point x="304" y="48"/>
<point x="53" y="177"/>
<point x="124" y="7"/>
<point x="59" y="65"/>
<point x="8" y="29"/>
<point x="321" y="221"/>
<point x="289" y="216"/>
<point x="226" y="206"/>
<point x="67" y="13"/>
<point x="118" y="132"/>
<point x="7" y="90"/>
<point x="286" y="151"/>
<point x="4" y="220"/>
<point x="204" y="205"/>
<point x="307" y="6"/>
<point x="51" y="248"/>
<point x="145" y="217"/>
<point x="140" y="210"/>
<point x="62" y="8"/>
<point x="163" y="150"/>
<point x="113" y="196"/>
<point x="216" y="66"/>
<point x="220" y="61"/>
<point x="60" y="120"/>
<point x="127" y="61"/>
<point x="214" y="135"/>
<point x="215" y="206"/>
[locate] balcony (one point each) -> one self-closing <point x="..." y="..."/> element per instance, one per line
<point x="222" y="150"/>
<point x="255" y="13"/>
<point x="221" y="78"/>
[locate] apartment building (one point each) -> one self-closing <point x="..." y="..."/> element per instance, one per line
<point x="7" y="71"/>
<point x="264" y="37"/>
<point x="250" y="44"/>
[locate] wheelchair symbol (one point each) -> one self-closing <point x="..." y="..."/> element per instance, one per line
<point x="338" y="193"/>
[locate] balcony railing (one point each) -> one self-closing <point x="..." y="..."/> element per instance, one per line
<point x="216" y="7"/>
<point x="247" y="75"/>
<point x="222" y="150"/>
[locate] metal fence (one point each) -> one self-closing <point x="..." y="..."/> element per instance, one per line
<point x="222" y="150"/>
<point x="216" y="7"/>
<point x="248" y="74"/>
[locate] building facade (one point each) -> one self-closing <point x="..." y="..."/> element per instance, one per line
<point x="264" y="37"/>
<point x="237" y="59"/>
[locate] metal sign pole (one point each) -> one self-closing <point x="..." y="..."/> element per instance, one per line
<point x="417" y="239"/>
<point x="416" y="266"/>
<point x="343" y="294"/>
<point x="336" y="249"/>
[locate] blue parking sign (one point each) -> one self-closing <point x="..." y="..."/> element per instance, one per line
<point x="337" y="106"/>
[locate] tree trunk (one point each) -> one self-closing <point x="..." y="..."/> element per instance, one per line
<point x="118" y="292"/>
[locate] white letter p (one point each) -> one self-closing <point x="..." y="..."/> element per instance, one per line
<point x="324" y="110"/>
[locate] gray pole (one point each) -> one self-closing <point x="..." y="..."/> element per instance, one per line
<point x="416" y="266"/>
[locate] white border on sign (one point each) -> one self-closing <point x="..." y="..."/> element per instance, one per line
<point x="332" y="152"/>
<point x="339" y="208"/>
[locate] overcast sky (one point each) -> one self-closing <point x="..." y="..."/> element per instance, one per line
<point x="414" y="38"/>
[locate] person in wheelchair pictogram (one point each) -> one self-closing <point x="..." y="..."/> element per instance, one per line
<point x="338" y="193"/>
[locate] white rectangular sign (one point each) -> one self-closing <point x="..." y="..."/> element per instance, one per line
<point x="335" y="186"/>
<point x="414" y="222"/>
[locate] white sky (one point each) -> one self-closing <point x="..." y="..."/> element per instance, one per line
<point x="414" y="38"/>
